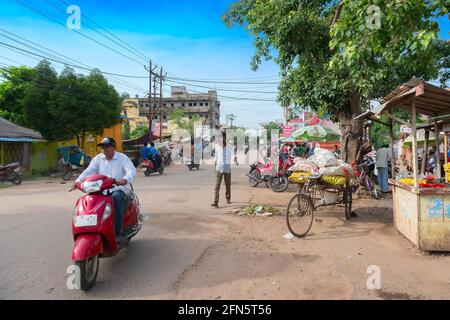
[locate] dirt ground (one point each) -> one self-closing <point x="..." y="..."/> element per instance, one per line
<point x="252" y="260"/>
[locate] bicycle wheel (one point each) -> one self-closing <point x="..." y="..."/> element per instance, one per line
<point x="300" y="215"/>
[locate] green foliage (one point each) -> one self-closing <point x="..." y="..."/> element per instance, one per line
<point x="139" y="131"/>
<point x="271" y="126"/>
<point x="181" y="120"/>
<point x="126" y="131"/>
<point x="12" y="90"/>
<point x="336" y="68"/>
<point x="60" y="107"/>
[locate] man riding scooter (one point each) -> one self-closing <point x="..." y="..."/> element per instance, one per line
<point x="115" y="165"/>
<point x="154" y="154"/>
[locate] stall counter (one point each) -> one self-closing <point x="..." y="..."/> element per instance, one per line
<point x="423" y="215"/>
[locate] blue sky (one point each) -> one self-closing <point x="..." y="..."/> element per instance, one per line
<point x="187" y="38"/>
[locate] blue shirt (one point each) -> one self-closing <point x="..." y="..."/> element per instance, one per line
<point x="153" y="151"/>
<point x="145" y="153"/>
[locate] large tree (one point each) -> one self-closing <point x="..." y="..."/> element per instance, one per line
<point x="62" y="106"/>
<point x="337" y="55"/>
<point x="12" y="89"/>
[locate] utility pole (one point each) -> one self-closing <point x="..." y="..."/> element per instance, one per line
<point x="231" y="117"/>
<point x="161" y="79"/>
<point x="150" y="96"/>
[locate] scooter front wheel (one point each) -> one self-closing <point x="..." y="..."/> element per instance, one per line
<point x="147" y="172"/>
<point x="88" y="272"/>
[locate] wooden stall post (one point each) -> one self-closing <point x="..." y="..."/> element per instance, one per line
<point x="438" y="152"/>
<point x="414" y="143"/>
<point x="446" y="152"/>
<point x="391" y="143"/>
<point x="425" y="151"/>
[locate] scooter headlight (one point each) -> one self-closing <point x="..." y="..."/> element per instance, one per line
<point x="106" y="212"/>
<point x="94" y="186"/>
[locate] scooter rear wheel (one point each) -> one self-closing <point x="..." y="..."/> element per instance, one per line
<point x="147" y="172"/>
<point x="88" y="272"/>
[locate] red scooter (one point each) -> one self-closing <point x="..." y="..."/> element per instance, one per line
<point x="149" y="167"/>
<point x="93" y="227"/>
<point x="11" y="173"/>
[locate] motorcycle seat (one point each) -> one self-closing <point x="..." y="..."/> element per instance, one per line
<point x="8" y="166"/>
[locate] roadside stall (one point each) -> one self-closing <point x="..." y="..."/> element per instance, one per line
<point x="421" y="201"/>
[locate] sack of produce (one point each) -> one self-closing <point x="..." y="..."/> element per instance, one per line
<point x="332" y="171"/>
<point x="299" y="177"/>
<point x="323" y="158"/>
<point x="335" y="180"/>
<point x="347" y="168"/>
<point x="304" y="166"/>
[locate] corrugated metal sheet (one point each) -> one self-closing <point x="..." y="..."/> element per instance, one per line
<point x="9" y="130"/>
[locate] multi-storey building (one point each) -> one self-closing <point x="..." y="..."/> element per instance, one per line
<point x="204" y="105"/>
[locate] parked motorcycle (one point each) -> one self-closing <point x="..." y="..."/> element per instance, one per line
<point x="149" y="167"/>
<point x="11" y="173"/>
<point x="276" y="180"/>
<point x="93" y="227"/>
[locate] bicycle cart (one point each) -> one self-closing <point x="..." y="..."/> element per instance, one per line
<point x="72" y="161"/>
<point x="313" y="194"/>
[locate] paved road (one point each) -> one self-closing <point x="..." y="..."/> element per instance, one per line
<point x="35" y="233"/>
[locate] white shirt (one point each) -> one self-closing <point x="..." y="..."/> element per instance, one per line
<point x="119" y="167"/>
<point x="223" y="158"/>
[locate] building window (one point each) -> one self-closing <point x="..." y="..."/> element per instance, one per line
<point x="190" y="104"/>
<point x="182" y="104"/>
<point x="165" y="117"/>
<point x="206" y="103"/>
<point x="195" y="104"/>
<point x="146" y="105"/>
<point x="172" y="105"/>
<point x="201" y="104"/>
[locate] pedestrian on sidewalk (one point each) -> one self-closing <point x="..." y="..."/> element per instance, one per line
<point x="383" y="157"/>
<point x="223" y="153"/>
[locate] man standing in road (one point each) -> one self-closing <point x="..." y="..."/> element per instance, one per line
<point x="383" y="158"/>
<point x="115" y="165"/>
<point x="223" y="153"/>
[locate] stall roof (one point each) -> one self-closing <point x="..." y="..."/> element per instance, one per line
<point x="13" y="133"/>
<point x="430" y="100"/>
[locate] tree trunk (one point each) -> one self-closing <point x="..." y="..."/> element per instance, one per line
<point x="351" y="130"/>
<point x="78" y="141"/>
<point x="83" y="139"/>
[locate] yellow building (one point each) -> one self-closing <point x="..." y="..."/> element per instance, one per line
<point x="91" y="141"/>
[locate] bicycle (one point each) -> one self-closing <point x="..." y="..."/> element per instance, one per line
<point x="301" y="208"/>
